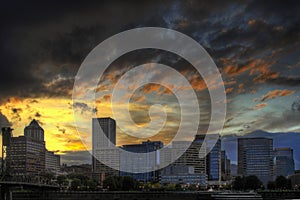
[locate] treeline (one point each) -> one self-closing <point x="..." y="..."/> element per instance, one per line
<point x="253" y="183"/>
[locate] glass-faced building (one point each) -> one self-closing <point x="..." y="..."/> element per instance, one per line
<point x="214" y="162"/>
<point x="255" y="157"/>
<point x="284" y="162"/>
<point x="151" y="161"/>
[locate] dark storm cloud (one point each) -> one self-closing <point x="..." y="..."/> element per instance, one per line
<point x="44" y="43"/>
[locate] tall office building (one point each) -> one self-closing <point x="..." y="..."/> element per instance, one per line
<point x="225" y="167"/>
<point x="34" y="131"/>
<point x="108" y="126"/>
<point x="191" y="157"/>
<point x="27" y="153"/>
<point x="214" y="162"/>
<point x="150" y="162"/>
<point x="284" y="162"/>
<point x="101" y="148"/>
<point x="255" y="157"/>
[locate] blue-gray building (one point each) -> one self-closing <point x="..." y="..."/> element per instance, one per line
<point x="152" y="161"/>
<point x="284" y="162"/>
<point x="255" y="157"/>
<point x="214" y="162"/>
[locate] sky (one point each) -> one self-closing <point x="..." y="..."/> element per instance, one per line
<point x="255" y="45"/>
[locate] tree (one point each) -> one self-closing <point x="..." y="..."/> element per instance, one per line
<point x="76" y="183"/>
<point x="238" y="183"/>
<point x="247" y="183"/>
<point x="113" y="183"/>
<point x="129" y="183"/>
<point x="282" y="182"/>
<point x="92" y="184"/>
<point x="252" y="183"/>
<point x="61" y="179"/>
<point x="271" y="185"/>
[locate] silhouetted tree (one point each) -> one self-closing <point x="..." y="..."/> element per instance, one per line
<point x="282" y="182"/>
<point x="271" y="185"/>
<point x="75" y="183"/>
<point x="247" y="183"/>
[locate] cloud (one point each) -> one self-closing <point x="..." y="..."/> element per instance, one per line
<point x="76" y="157"/>
<point x="260" y="106"/>
<point x="277" y="93"/>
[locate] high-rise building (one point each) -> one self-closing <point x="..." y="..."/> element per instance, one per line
<point x="34" y="131"/>
<point x="255" y="157"/>
<point x="284" y="162"/>
<point x="52" y="163"/>
<point x="213" y="160"/>
<point x="27" y="153"/>
<point x="108" y="126"/>
<point x="191" y="157"/>
<point x="102" y="149"/>
<point x="150" y="162"/>
<point x="225" y="167"/>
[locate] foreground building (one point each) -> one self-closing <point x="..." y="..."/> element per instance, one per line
<point x="27" y="153"/>
<point x="213" y="160"/>
<point x="136" y="163"/>
<point x="52" y="163"/>
<point x="255" y="157"/>
<point x="182" y="174"/>
<point x="101" y="148"/>
<point x="284" y="162"/>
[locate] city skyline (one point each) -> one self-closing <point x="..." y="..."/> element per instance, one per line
<point x="255" y="46"/>
<point x="229" y="144"/>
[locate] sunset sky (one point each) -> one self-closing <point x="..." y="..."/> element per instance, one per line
<point x="255" y="44"/>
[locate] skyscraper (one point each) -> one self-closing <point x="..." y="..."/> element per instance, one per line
<point x="225" y="167"/>
<point x="191" y="157"/>
<point x="102" y="149"/>
<point x="255" y="157"/>
<point x="284" y="162"/>
<point x="214" y="162"/>
<point x="108" y="126"/>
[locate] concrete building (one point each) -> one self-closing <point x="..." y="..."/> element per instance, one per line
<point x="151" y="162"/>
<point x="182" y="174"/>
<point x="284" y="162"/>
<point x="101" y="148"/>
<point x="191" y="157"/>
<point x="27" y="153"/>
<point x="52" y="163"/>
<point x="225" y="167"/>
<point x="255" y="157"/>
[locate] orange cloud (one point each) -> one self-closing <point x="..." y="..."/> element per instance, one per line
<point x="150" y="88"/>
<point x="229" y="90"/>
<point x="260" y="106"/>
<point x="277" y="93"/>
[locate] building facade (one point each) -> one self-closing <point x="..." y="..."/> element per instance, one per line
<point x="182" y="174"/>
<point x="284" y="162"/>
<point x="52" y="163"/>
<point x="225" y="167"/>
<point x="255" y="157"/>
<point x="191" y="157"/>
<point x="214" y="162"/>
<point x="151" y="161"/>
<point x="27" y="153"/>
<point x="103" y="149"/>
